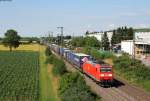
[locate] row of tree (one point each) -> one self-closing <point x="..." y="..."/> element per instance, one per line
<point x="119" y="34"/>
<point x="85" y="41"/>
<point x="122" y="33"/>
<point x="91" y="42"/>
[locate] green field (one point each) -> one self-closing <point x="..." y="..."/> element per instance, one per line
<point x="19" y="76"/>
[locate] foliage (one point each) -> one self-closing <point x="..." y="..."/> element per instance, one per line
<point x="73" y="88"/>
<point x="122" y="33"/>
<point x="78" y="42"/>
<point x="85" y="42"/>
<point x="91" y="42"/>
<point x="87" y="33"/>
<point x="28" y="40"/>
<point x="11" y="39"/>
<point x="98" y="54"/>
<point x="48" y="51"/>
<point x="19" y="76"/>
<point x="59" y="67"/>
<point x="132" y="70"/>
<point x="50" y="59"/>
<point x="105" y="42"/>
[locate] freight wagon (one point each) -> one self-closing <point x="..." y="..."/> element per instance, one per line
<point x="79" y="58"/>
<point x="97" y="70"/>
<point x="62" y="50"/>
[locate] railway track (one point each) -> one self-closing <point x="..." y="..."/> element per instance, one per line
<point x="121" y="91"/>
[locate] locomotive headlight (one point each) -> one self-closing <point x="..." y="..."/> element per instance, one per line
<point x="109" y="74"/>
<point x="102" y="75"/>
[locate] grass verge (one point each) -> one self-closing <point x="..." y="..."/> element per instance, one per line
<point x="47" y="91"/>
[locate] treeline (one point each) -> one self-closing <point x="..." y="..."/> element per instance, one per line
<point x="85" y="42"/>
<point x="72" y="86"/>
<point x="122" y="33"/>
<point x="29" y="39"/>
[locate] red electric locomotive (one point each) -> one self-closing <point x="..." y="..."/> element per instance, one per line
<point x="100" y="72"/>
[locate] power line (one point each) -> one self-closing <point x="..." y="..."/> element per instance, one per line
<point x="61" y="29"/>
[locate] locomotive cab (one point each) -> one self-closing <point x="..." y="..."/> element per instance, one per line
<point x="100" y="72"/>
<point x="106" y="74"/>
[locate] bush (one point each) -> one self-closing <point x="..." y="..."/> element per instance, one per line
<point x="73" y="84"/>
<point x="133" y="70"/>
<point x="59" y="67"/>
<point x="50" y="59"/>
<point x="100" y="55"/>
<point x="48" y="52"/>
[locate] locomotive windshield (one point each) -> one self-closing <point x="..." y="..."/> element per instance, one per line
<point x="104" y="69"/>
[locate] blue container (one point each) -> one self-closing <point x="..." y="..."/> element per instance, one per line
<point x="69" y="56"/>
<point x="77" y="59"/>
<point x="62" y="50"/>
<point x="65" y="53"/>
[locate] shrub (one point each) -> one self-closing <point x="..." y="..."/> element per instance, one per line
<point x="59" y="67"/>
<point x="99" y="55"/>
<point x="73" y="84"/>
<point x="50" y="59"/>
<point x="132" y="70"/>
<point x="48" y="52"/>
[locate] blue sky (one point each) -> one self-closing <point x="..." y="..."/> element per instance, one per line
<point x="38" y="17"/>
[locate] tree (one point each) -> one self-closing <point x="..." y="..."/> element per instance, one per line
<point x="91" y="42"/>
<point x="11" y="39"/>
<point x="48" y="51"/>
<point x="115" y="38"/>
<point x="105" y="41"/>
<point x="87" y="33"/>
<point x="130" y="33"/>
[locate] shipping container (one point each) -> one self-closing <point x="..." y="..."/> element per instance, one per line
<point x="79" y="58"/>
<point x="62" y="50"/>
<point x="69" y="56"/>
<point x="65" y="53"/>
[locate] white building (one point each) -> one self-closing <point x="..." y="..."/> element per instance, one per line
<point x="127" y="46"/>
<point x="99" y="35"/>
<point x="142" y="36"/>
<point x="140" y="47"/>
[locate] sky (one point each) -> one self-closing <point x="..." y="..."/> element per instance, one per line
<point x="40" y="17"/>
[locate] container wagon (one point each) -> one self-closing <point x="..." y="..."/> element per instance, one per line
<point x="79" y="58"/>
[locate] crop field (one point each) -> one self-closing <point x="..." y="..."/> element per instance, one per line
<point x="25" y="47"/>
<point x="19" y="76"/>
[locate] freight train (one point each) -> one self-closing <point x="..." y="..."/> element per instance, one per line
<point x="97" y="70"/>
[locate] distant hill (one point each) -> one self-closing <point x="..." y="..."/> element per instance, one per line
<point x="142" y="30"/>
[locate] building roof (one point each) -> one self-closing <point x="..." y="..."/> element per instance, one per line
<point x="137" y="42"/>
<point x="81" y="54"/>
<point x="142" y="30"/>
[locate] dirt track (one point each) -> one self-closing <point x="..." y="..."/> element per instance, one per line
<point x="121" y="91"/>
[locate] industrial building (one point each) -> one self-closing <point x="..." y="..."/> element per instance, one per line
<point x="99" y="35"/>
<point x="140" y="47"/>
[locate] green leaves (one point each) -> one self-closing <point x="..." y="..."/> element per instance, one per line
<point x="48" y="51"/>
<point x="73" y="88"/>
<point x="19" y="76"/>
<point x="85" y="41"/>
<point x="133" y="70"/>
<point x="11" y="39"/>
<point x="105" y="42"/>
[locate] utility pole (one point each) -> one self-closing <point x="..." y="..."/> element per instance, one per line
<point x="61" y="30"/>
